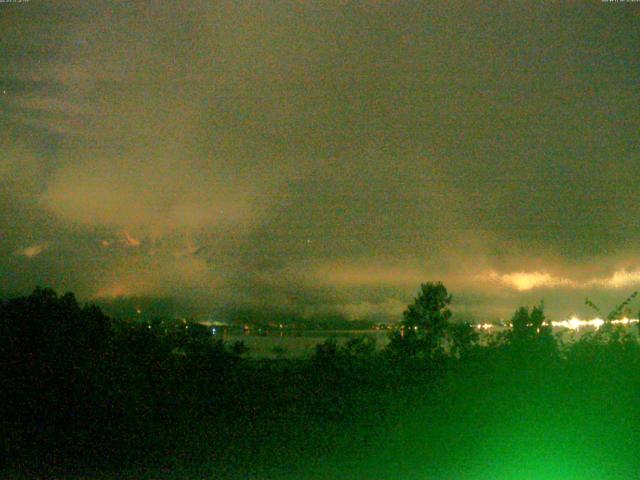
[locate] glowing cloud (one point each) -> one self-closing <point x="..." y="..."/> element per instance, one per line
<point x="619" y="279"/>
<point x="113" y="291"/>
<point x="523" y="281"/>
<point x="32" y="251"/>
<point x="330" y="153"/>
<point x="130" y="241"/>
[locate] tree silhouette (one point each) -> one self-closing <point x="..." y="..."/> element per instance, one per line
<point x="530" y="334"/>
<point x="423" y="330"/>
<point x="463" y="337"/>
<point x="48" y="345"/>
<point x="53" y="332"/>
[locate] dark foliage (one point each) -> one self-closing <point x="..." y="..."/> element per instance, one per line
<point x="82" y="391"/>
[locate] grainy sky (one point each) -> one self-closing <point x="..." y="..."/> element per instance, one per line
<point x="322" y="156"/>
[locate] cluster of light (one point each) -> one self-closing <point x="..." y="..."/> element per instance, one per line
<point x="484" y="326"/>
<point x="573" y="323"/>
<point x="626" y="321"/>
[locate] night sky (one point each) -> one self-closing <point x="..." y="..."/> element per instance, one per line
<point x="322" y="157"/>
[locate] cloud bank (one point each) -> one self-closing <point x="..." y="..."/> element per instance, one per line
<point x="324" y="156"/>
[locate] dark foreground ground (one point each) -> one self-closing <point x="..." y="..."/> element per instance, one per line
<point x="294" y="420"/>
<point x="149" y="405"/>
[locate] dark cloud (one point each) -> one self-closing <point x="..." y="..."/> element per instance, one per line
<point x="320" y="157"/>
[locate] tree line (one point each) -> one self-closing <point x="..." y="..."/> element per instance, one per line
<point x="79" y="385"/>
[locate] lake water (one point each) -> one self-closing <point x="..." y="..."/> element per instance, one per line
<point x="286" y="343"/>
<point x="298" y="344"/>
